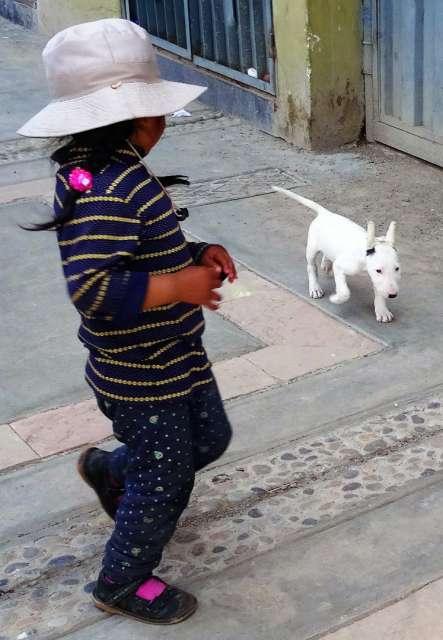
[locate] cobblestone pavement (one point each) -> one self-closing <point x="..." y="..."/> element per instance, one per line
<point x="238" y="511"/>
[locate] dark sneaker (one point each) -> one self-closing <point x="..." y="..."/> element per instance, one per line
<point x="93" y="468"/>
<point x="170" y="607"/>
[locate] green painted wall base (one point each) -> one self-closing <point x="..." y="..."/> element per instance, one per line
<point x="320" y="100"/>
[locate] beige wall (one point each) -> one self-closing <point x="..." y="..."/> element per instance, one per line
<point x="54" y="15"/>
<point x="319" y="72"/>
<point x="292" y="118"/>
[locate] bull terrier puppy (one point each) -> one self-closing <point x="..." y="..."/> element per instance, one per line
<point x="347" y="249"/>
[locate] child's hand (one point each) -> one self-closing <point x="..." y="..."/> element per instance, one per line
<point x="196" y="285"/>
<point x="216" y="256"/>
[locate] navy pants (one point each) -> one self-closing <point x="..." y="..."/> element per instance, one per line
<point x="163" y="446"/>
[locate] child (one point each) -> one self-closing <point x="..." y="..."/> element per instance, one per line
<point x="139" y="287"/>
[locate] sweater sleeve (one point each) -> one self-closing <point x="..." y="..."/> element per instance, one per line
<point x="96" y="248"/>
<point x="197" y="249"/>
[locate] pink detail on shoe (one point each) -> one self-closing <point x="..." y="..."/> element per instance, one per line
<point x="119" y="499"/>
<point x="151" y="589"/>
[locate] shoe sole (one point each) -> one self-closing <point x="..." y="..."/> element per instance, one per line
<point x="82" y="472"/>
<point x="119" y="612"/>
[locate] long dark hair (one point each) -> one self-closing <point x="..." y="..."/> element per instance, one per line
<point x="100" y="144"/>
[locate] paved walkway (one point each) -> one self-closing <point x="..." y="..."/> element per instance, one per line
<point x="324" y="518"/>
<point x="287" y="353"/>
<point x="330" y="494"/>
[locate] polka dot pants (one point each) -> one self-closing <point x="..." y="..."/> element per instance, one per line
<point x="164" y="445"/>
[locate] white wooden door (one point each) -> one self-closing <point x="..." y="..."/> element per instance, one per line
<point x="403" y="44"/>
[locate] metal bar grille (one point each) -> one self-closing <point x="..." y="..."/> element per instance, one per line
<point x="230" y="37"/>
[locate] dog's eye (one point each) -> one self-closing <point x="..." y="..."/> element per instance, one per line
<point x="379" y="270"/>
<point x="397" y="268"/>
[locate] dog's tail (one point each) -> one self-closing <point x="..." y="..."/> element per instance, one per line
<point x="305" y="201"/>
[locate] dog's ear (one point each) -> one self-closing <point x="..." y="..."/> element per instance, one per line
<point x="371" y="236"/>
<point x="390" y="235"/>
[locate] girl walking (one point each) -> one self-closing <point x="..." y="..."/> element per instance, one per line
<point x="139" y="287"/>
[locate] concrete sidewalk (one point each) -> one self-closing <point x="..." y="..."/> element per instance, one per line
<point x="326" y="511"/>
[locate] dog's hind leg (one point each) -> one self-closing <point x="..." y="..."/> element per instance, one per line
<point x="326" y="265"/>
<point x="315" y="291"/>
<point x="342" y="293"/>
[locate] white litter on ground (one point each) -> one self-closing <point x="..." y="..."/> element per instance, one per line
<point x="182" y="113"/>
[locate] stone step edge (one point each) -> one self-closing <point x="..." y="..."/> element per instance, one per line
<point x="351" y="419"/>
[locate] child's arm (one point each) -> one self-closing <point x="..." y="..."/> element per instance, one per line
<point x="195" y="285"/>
<point x="214" y="255"/>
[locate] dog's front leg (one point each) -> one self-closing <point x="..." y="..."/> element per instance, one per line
<point x="382" y="312"/>
<point x="342" y="293"/>
<point x="315" y="291"/>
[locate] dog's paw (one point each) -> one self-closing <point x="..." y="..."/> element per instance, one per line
<point x="316" y="293"/>
<point x="339" y="299"/>
<point x="384" y="316"/>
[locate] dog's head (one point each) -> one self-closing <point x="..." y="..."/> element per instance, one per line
<point x="382" y="262"/>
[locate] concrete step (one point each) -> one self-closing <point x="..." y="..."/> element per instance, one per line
<point x="308" y="587"/>
<point x="14" y="173"/>
<point x="269" y="503"/>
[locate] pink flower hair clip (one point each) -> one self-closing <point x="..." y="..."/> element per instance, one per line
<point x="80" y="180"/>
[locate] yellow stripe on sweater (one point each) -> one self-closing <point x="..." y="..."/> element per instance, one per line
<point x="169" y="396"/>
<point x="103" y="289"/>
<point x="151" y="383"/>
<point x="151" y="325"/>
<point x="143" y="345"/>
<point x="121" y="177"/>
<point x="159" y="367"/>
<point x="148" y="204"/>
<point x="178" y="267"/>
<point x="85" y="287"/>
<point x="102" y="218"/>
<point x="94" y="256"/>
<point x="66" y="243"/>
<point x="167" y="234"/>
<point x="158" y="254"/>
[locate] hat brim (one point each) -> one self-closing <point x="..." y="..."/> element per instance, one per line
<point x="107" y="106"/>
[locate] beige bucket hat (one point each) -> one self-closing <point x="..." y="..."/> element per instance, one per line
<point x="100" y="73"/>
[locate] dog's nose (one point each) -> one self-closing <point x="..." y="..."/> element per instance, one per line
<point x="393" y="295"/>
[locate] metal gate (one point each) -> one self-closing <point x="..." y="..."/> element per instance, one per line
<point x="403" y="60"/>
<point x="231" y="37"/>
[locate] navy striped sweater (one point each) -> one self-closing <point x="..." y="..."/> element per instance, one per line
<point x="124" y="230"/>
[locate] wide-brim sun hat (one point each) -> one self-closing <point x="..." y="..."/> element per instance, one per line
<point x="100" y="73"/>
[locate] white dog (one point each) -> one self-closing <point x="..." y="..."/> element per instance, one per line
<point x="348" y="250"/>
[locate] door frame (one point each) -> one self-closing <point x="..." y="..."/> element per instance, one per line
<point x="378" y="130"/>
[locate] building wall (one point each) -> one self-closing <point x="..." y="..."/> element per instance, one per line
<point x="320" y="96"/>
<point x="54" y="15"/>
<point x="320" y="99"/>
<point x="336" y="64"/>
<point x="293" y="107"/>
